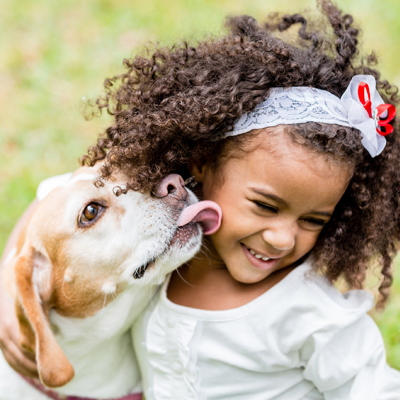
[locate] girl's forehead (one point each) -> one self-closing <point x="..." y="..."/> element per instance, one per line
<point x="274" y="145"/>
<point x="274" y="162"/>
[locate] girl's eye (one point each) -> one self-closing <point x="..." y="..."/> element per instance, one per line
<point x="266" y="207"/>
<point x="314" y="222"/>
<point x="90" y="213"/>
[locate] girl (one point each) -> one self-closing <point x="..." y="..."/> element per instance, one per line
<point x="287" y="136"/>
<point x="292" y="139"/>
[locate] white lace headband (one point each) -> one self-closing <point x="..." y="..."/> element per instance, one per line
<point x="360" y="107"/>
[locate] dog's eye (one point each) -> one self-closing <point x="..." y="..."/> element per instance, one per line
<point x="90" y="213"/>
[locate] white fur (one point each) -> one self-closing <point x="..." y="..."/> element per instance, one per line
<point x="109" y="288"/>
<point x="80" y="177"/>
<point x="68" y="277"/>
<point x="10" y="255"/>
<point x="41" y="276"/>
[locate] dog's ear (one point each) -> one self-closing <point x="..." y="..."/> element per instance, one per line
<point x="36" y="336"/>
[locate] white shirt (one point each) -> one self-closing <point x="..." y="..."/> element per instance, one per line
<point x="302" y="339"/>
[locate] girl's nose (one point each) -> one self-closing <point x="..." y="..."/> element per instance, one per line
<point x="280" y="238"/>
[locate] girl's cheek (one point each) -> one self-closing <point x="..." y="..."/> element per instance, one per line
<point x="309" y="241"/>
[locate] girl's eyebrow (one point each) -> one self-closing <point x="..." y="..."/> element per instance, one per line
<point x="270" y="196"/>
<point x="285" y="204"/>
<point x="322" y="213"/>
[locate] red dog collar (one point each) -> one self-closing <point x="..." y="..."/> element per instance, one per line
<point x="55" y="396"/>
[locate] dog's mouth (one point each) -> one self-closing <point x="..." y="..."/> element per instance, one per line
<point x="139" y="272"/>
<point x="181" y="236"/>
<point x="206" y="213"/>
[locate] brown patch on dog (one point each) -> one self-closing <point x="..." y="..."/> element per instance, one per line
<point x="27" y="335"/>
<point x="81" y="297"/>
<point x="53" y="366"/>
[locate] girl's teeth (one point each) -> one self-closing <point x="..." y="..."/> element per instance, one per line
<point x="259" y="256"/>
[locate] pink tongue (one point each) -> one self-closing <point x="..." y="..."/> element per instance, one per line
<point x="207" y="212"/>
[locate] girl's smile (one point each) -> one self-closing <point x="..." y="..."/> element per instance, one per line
<point x="259" y="260"/>
<point x="276" y="198"/>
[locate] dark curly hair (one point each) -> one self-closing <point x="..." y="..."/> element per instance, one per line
<point x="170" y="106"/>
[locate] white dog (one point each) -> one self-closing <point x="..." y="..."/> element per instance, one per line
<point x="86" y="265"/>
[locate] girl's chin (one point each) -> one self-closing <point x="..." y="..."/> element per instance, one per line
<point x="249" y="276"/>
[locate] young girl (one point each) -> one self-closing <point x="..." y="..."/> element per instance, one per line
<point x="292" y="139"/>
<point x="288" y="136"/>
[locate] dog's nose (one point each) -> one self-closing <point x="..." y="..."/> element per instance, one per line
<point x="172" y="185"/>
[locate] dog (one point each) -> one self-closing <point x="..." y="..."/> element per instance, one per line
<point x="87" y="263"/>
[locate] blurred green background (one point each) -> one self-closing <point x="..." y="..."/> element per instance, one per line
<point x="54" y="53"/>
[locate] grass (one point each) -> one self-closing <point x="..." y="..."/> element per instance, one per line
<point x="54" y="53"/>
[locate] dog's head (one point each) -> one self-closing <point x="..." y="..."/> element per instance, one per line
<point x="83" y="245"/>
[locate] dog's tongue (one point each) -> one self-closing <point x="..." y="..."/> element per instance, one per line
<point x="207" y="213"/>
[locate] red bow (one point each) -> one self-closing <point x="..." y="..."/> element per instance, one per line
<point x="383" y="114"/>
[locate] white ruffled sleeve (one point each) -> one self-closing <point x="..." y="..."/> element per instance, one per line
<point x="49" y="184"/>
<point x="348" y="362"/>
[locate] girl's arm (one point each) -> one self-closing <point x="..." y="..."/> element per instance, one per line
<point x="351" y="363"/>
<point x="19" y="360"/>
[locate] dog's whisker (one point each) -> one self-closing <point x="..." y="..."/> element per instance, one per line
<point x="104" y="306"/>
<point x="62" y="288"/>
<point x="184" y="280"/>
<point x="115" y="298"/>
<point x="160" y="275"/>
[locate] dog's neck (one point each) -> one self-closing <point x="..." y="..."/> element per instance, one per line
<point x="99" y="347"/>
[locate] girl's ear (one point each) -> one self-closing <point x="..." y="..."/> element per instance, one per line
<point x="198" y="171"/>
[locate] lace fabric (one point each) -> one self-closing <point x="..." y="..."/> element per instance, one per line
<point x="293" y="106"/>
<point x="299" y="105"/>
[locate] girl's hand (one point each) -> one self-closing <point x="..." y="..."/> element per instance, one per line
<point x="20" y="360"/>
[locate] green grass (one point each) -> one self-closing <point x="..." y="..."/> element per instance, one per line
<point x="54" y="53"/>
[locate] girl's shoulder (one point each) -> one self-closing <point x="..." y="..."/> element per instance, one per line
<point x="312" y="295"/>
<point x="320" y="289"/>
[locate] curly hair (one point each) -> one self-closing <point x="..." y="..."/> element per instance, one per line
<point x="170" y="106"/>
